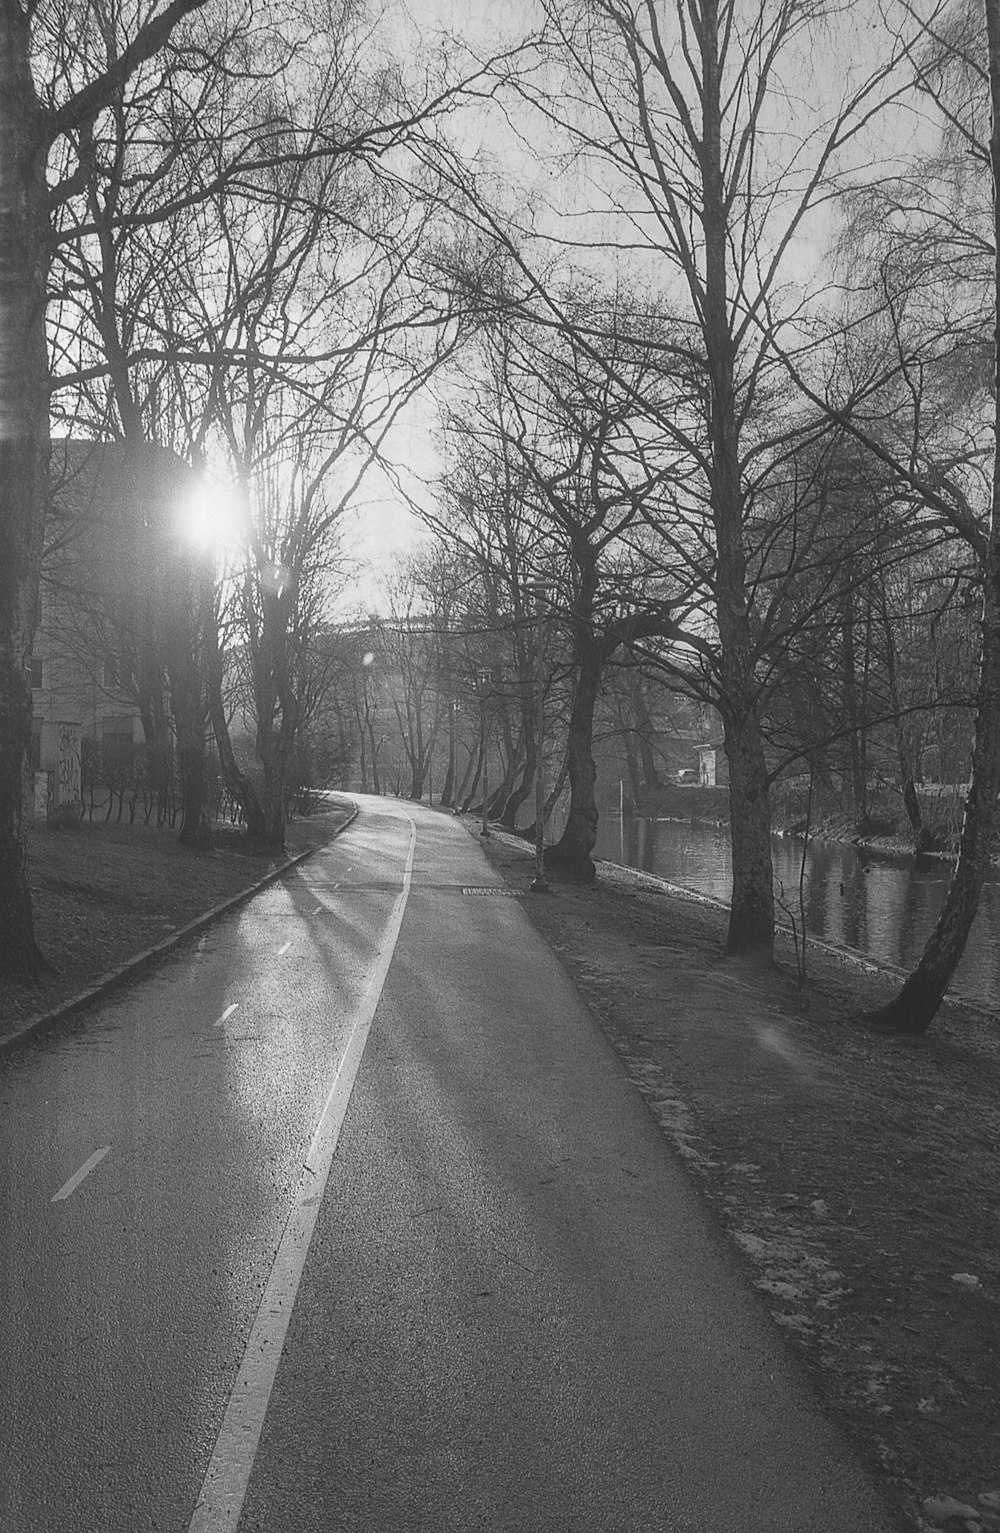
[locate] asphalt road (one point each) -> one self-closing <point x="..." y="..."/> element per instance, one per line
<point x="468" y="1289"/>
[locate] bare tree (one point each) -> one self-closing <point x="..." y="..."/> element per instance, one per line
<point x="686" y="164"/>
<point x="935" y="271"/>
<point x="283" y="332"/>
<point x="574" y="441"/>
<point x="301" y="423"/>
<point x="413" y="635"/>
<point x="29" y="128"/>
<point x="917" y="1003"/>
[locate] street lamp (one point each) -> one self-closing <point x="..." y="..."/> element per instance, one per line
<point x="539" y="589"/>
<point x="484" y="677"/>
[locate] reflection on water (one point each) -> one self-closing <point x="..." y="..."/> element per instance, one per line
<point x="882" y="907"/>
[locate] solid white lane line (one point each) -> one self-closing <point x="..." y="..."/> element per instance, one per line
<point x="68" y="1188"/>
<point x="227" y="1013"/>
<point x="283" y="950"/>
<point x="228" y="1475"/>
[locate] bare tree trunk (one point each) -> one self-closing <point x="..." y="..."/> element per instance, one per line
<point x="854" y="720"/>
<point x="417" y="746"/>
<point x="26" y="134"/>
<point x="363" y="758"/>
<point x="278" y="713"/>
<point x="448" y="791"/>
<point x="644" y="737"/>
<point x="187" y="615"/>
<point x="572" y="852"/>
<point x="635" y="785"/>
<point x="239" y="785"/>
<point x="907" y="785"/>
<point x="471" y="788"/>
<point x="190" y="722"/>
<point x="508" y="806"/>
<point x="507" y="816"/>
<point x="914" y="1008"/>
<point x="552" y="798"/>
<point x="25" y="242"/>
<point x="155" y="729"/>
<point x="473" y="765"/>
<point x="917" y="1003"/>
<point x="751" y="921"/>
<point x="418" y="777"/>
<point x="502" y="792"/>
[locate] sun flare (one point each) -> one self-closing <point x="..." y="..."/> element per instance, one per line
<point x="211" y="520"/>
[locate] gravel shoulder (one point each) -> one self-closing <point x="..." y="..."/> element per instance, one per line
<point x="858" y="1176"/>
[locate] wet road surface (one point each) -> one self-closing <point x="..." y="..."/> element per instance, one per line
<point x="504" y="1309"/>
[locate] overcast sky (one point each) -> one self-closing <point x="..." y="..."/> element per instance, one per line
<point x="818" y="72"/>
<point x="381" y="529"/>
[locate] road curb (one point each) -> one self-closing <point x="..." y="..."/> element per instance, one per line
<point x="124" y="972"/>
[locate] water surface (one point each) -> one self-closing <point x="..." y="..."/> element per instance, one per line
<point x="882" y="907"/>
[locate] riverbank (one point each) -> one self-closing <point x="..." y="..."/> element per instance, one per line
<point x="889" y="832"/>
<point x="857" y="1176"/>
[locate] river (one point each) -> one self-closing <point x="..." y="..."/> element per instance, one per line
<point x="882" y="907"/>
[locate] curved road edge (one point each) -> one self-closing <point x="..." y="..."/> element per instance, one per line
<point x="148" y="956"/>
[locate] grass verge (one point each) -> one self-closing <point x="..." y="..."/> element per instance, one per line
<point x="858" y="1176"/>
<point x="103" y="894"/>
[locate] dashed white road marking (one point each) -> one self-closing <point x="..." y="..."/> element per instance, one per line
<point x="227" y="1013"/>
<point x="68" y="1188"/>
<point x="225" y="1486"/>
<point x="283" y="950"/>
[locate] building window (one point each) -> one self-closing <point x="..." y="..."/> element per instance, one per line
<point x="36" y="673"/>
